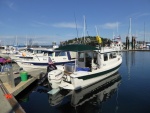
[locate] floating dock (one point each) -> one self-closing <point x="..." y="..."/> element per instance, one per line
<point x="10" y="89"/>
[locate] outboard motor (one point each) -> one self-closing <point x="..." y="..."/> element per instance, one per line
<point x="43" y="76"/>
<point x="55" y="78"/>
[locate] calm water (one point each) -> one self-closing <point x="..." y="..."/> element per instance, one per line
<point x="126" y="92"/>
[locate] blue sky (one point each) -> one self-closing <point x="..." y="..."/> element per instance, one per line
<point x="45" y="21"/>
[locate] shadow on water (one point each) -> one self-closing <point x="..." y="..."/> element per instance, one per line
<point x="89" y="99"/>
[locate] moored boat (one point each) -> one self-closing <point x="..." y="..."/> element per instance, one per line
<point x="92" y="65"/>
<point x="59" y="58"/>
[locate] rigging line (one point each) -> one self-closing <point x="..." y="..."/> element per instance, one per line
<point x="86" y="28"/>
<point x="76" y="25"/>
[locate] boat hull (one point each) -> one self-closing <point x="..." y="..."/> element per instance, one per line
<point x="27" y="66"/>
<point x="88" y="78"/>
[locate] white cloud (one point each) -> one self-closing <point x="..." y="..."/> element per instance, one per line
<point x="39" y="24"/>
<point x="113" y="25"/>
<point x="144" y="14"/>
<point x="138" y="15"/>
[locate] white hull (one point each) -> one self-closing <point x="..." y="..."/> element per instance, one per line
<point x="59" y="58"/>
<point x="98" y="90"/>
<point x="90" y="67"/>
<point x="80" y="83"/>
<point x="29" y="67"/>
<point x="82" y="79"/>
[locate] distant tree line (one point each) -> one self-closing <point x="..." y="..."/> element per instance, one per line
<point x="88" y="40"/>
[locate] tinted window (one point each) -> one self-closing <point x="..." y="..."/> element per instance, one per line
<point x="105" y="57"/>
<point x="60" y="53"/>
<point x="81" y="57"/>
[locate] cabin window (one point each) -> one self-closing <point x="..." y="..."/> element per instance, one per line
<point x="51" y="54"/>
<point x="110" y="56"/>
<point x="114" y="55"/>
<point x="61" y="53"/>
<point x="95" y="57"/>
<point x="39" y="51"/>
<point x="2" y="47"/>
<point x="57" y="54"/>
<point x="105" y="57"/>
<point x="81" y="57"/>
<point x="30" y="50"/>
<point x="35" y="51"/>
<point x="88" y="55"/>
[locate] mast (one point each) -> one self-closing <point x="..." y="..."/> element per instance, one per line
<point x="130" y="36"/>
<point x="113" y="37"/>
<point x="96" y="31"/>
<point x="84" y="28"/>
<point x="76" y="25"/>
<point x="144" y="32"/>
<point x="16" y="41"/>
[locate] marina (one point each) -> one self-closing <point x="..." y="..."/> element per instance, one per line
<point x="131" y="95"/>
<point x="74" y="56"/>
<point x="128" y="91"/>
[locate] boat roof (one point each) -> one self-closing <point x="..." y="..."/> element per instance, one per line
<point x="77" y="47"/>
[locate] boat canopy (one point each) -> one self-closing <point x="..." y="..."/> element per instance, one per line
<point x="77" y="47"/>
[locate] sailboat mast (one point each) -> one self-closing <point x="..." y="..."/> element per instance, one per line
<point x="84" y="28"/>
<point x="144" y="32"/>
<point x="76" y="25"/>
<point x="16" y="41"/>
<point x="117" y="28"/>
<point x="113" y="37"/>
<point x="130" y="31"/>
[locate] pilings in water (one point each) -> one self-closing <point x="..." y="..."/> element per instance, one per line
<point x="130" y="45"/>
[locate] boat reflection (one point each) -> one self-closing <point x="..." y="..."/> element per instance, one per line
<point x="87" y="98"/>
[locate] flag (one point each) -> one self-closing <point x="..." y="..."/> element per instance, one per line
<point x="98" y="39"/>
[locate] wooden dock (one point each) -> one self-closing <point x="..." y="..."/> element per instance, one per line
<point x="8" y="92"/>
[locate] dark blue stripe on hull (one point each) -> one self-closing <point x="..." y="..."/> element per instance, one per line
<point x="46" y="64"/>
<point x="98" y="74"/>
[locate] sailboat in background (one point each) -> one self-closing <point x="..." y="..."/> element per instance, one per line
<point x="12" y="49"/>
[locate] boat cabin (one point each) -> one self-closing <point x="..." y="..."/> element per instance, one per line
<point x="95" y="59"/>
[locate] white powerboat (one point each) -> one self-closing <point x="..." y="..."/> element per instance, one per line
<point x="91" y="66"/>
<point x="59" y="58"/>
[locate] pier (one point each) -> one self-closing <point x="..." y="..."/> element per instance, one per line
<point x="11" y="85"/>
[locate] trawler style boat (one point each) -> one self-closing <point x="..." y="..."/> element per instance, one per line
<point x="91" y="66"/>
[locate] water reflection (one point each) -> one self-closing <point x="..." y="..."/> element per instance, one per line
<point x="130" y="61"/>
<point x="89" y="99"/>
